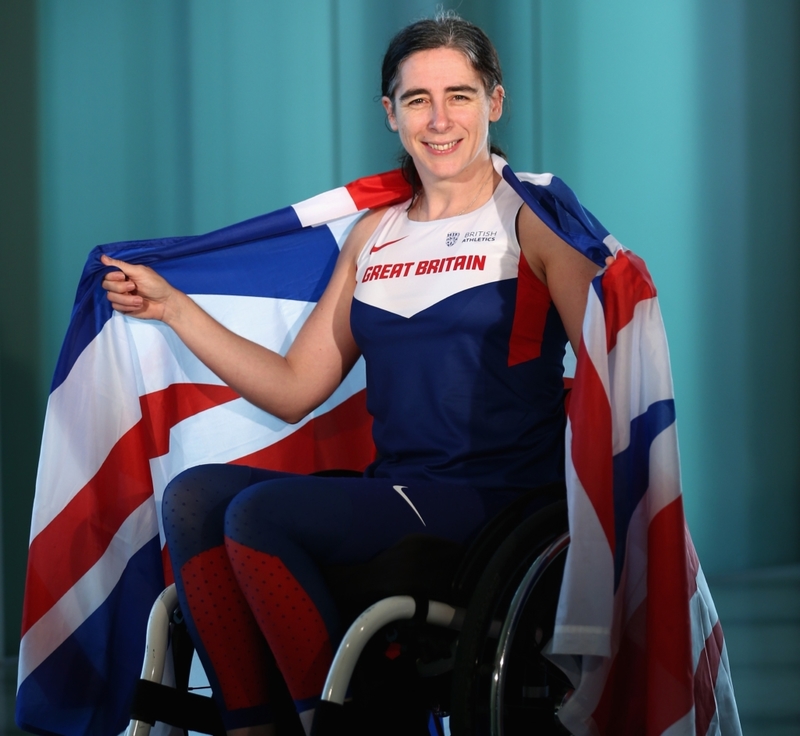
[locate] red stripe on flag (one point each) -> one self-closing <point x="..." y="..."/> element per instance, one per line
<point x="162" y="410"/>
<point x="78" y="537"/>
<point x="670" y="587"/>
<point x="650" y="683"/>
<point x="621" y="710"/>
<point x="591" y="451"/>
<point x="379" y="190"/>
<point x="341" y="438"/>
<point x="626" y="282"/>
<point x="705" y="681"/>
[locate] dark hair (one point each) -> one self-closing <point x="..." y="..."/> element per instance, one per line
<point x="446" y="30"/>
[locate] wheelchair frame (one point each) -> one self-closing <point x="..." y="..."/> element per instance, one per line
<point x="329" y="714"/>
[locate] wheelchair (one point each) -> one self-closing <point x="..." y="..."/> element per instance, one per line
<point x="437" y="631"/>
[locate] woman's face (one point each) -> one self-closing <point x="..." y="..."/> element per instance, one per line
<point x="442" y="113"/>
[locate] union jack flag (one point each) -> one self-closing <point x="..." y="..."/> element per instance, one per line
<point x="130" y="408"/>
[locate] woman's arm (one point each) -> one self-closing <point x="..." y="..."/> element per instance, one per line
<point x="286" y="386"/>
<point x="566" y="272"/>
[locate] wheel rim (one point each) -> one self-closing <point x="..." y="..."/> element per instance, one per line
<point x="515" y="609"/>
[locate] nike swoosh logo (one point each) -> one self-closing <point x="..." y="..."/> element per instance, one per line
<point x="376" y="248"/>
<point x="399" y="489"/>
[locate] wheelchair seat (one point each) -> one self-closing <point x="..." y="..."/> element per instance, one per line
<point x="436" y="617"/>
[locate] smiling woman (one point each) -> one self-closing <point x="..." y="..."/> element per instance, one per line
<point x="461" y="302"/>
<point x="442" y="112"/>
<point x="483" y="75"/>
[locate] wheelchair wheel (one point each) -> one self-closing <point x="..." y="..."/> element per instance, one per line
<point x="502" y="684"/>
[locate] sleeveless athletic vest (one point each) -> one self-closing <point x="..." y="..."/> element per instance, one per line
<point x="464" y="351"/>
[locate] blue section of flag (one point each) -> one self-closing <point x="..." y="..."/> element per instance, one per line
<point x="558" y="207"/>
<point x="260" y="257"/>
<point x="632" y="473"/>
<point x="76" y="690"/>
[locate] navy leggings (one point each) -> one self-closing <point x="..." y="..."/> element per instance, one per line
<point x="246" y="546"/>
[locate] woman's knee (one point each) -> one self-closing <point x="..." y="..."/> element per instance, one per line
<point x="267" y="509"/>
<point x="309" y="512"/>
<point x="193" y="508"/>
<point x="203" y="487"/>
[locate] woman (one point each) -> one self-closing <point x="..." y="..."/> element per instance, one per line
<point x="461" y="301"/>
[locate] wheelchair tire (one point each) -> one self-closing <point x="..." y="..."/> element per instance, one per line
<point x="533" y="687"/>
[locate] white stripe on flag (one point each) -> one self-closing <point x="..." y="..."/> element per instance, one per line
<point x="634" y="390"/>
<point x="585" y="606"/>
<point x="727" y="713"/>
<point x="633" y="580"/>
<point x="541" y="180"/>
<point x="682" y="727"/>
<point x="341" y="228"/>
<point x="700" y="626"/>
<point x="165" y="360"/>
<point x="576" y="713"/>
<point x="101" y="377"/>
<point x="613" y="244"/>
<point x="88" y="594"/>
<point x="703" y="617"/>
<point x="665" y="480"/>
<point x="594" y="339"/>
<point x="336" y="202"/>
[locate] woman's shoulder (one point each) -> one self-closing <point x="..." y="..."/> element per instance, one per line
<point x="363" y="230"/>
<point x="370" y="220"/>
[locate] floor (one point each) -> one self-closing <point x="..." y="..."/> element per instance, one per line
<point x="760" y="613"/>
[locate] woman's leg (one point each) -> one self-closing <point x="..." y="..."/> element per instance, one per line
<point x="278" y="533"/>
<point x="228" y="641"/>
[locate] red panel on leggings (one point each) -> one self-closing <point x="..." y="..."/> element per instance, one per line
<point x="290" y="621"/>
<point x="227" y="629"/>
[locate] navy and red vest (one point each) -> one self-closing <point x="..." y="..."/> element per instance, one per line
<point x="464" y="351"/>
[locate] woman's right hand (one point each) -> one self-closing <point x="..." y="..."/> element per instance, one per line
<point x="136" y="290"/>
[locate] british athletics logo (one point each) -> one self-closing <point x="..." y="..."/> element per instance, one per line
<point x="480" y="236"/>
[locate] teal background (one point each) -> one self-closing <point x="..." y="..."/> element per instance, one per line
<point x="677" y="123"/>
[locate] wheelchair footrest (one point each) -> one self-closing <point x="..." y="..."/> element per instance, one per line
<point x="153" y="702"/>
